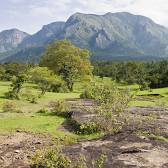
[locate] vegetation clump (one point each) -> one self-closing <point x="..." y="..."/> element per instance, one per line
<point x="11" y="107"/>
<point x="152" y="74"/>
<point x="46" y="80"/>
<point x="60" y="108"/>
<point x="16" y="86"/>
<point x="53" y="157"/>
<point x="110" y="107"/>
<point x="68" y="61"/>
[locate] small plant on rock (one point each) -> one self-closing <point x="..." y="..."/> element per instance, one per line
<point x="60" y="108"/>
<point x="110" y="107"/>
<point x="51" y="158"/>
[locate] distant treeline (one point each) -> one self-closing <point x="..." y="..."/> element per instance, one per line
<point x="152" y="74"/>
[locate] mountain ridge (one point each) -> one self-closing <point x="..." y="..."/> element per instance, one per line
<point x="11" y="38"/>
<point x="120" y="34"/>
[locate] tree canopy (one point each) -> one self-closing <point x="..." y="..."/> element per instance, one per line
<point x="67" y="60"/>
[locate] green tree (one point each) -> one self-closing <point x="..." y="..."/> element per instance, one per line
<point x="17" y="84"/>
<point x="67" y="60"/>
<point x="45" y="79"/>
<point x="14" y="69"/>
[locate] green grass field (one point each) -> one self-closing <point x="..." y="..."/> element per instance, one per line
<point x="31" y="121"/>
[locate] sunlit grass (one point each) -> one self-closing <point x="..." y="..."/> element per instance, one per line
<point x="31" y="121"/>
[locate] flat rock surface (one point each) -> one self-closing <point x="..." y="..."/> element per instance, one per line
<point x="127" y="149"/>
<point x="123" y="150"/>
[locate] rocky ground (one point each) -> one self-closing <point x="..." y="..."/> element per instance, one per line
<point x="125" y="149"/>
<point x="17" y="149"/>
<point x="129" y="148"/>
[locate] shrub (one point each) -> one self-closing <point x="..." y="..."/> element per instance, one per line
<point x="58" y="86"/>
<point x="33" y="99"/>
<point x="29" y="96"/>
<point x="86" y="128"/>
<point x="53" y="157"/>
<point x="89" y="92"/>
<point x="110" y="106"/>
<point x="89" y="128"/>
<point x="99" y="162"/>
<point x="42" y="111"/>
<point x="46" y="80"/>
<point x="60" y="108"/>
<point x="11" y="95"/>
<point x="80" y="163"/>
<point x="16" y="86"/>
<point x="10" y="107"/>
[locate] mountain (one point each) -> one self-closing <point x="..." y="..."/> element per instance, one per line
<point x="44" y="36"/>
<point x="10" y="39"/>
<point x="111" y="36"/>
<point x="117" y="34"/>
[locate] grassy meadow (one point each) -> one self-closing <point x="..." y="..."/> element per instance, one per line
<point x="30" y="120"/>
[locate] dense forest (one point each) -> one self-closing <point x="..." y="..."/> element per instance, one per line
<point x="152" y="74"/>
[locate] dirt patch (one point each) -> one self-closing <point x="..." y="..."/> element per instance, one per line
<point x="16" y="149"/>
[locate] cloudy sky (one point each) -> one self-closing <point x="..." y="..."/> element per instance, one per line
<point x="30" y="15"/>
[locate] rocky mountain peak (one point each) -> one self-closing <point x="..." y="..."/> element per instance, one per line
<point x="10" y="39"/>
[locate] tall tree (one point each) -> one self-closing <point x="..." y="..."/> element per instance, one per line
<point x="67" y="60"/>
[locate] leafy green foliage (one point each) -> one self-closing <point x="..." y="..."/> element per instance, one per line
<point x="88" y="128"/>
<point x="146" y="74"/>
<point x="110" y="107"/>
<point x="53" y="157"/>
<point x="67" y="60"/>
<point x="9" y="70"/>
<point x="46" y="80"/>
<point x="99" y="162"/>
<point x="16" y="86"/>
<point x="28" y="95"/>
<point x="60" y="108"/>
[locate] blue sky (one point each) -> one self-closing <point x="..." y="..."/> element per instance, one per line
<point x="31" y="15"/>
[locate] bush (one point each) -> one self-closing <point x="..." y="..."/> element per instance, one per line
<point x="11" y="95"/>
<point x="89" y="92"/>
<point x="99" y="162"/>
<point x="47" y="80"/>
<point x="58" y="87"/>
<point x="110" y="106"/>
<point x="10" y="107"/>
<point x="42" y="111"/>
<point x="16" y="86"/>
<point x="89" y="128"/>
<point x="29" y="96"/>
<point x="60" y="108"/>
<point x="86" y="128"/>
<point x="53" y="157"/>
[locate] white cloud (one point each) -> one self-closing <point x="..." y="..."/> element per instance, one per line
<point x="30" y="15"/>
